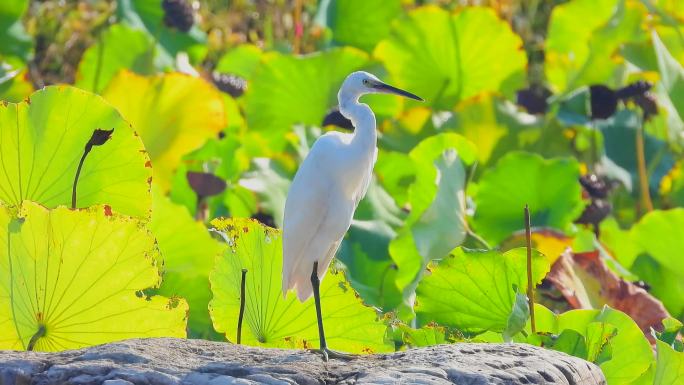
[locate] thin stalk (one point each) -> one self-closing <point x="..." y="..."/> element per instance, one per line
<point x="78" y="173"/>
<point x="530" y="284"/>
<point x="644" y="193"/>
<point x="40" y="333"/>
<point x="297" y="38"/>
<point x="242" y="306"/>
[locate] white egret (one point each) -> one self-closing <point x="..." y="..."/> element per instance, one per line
<point x="326" y="190"/>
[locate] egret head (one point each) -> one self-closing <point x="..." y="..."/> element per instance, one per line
<point x="360" y="83"/>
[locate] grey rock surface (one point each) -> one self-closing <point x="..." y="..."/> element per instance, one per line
<point x="162" y="361"/>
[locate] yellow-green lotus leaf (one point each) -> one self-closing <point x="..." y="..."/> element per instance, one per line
<point x="174" y="114"/>
<point x="43" y="138"/>
<point x="271" y="320"/>
<point x="74" y="278"/>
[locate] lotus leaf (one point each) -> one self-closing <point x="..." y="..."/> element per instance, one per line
<point x="270" y="319"/>
<point x="43" y="138"/>
<point x="476" y="290"/>
<point x="447" y="57"/>
<point x="174" y="114"/>
<point x="74" y="278"/>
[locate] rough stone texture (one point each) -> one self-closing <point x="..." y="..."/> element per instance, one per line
<point x="177" y="361"/>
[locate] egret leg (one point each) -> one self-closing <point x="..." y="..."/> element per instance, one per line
<point x="325" y="352"/>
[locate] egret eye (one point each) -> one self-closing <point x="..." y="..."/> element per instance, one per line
<point x="366" y="82"/>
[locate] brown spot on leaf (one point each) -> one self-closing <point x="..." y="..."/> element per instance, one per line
<point x="148" y="164"/>
<point x="28" y="100"/>
<point x="108" y="210"/>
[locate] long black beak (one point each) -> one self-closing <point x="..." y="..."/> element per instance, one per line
<point x="386" y="88"/>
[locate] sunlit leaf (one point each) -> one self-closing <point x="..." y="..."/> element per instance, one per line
<point x="426" y="336"/>
<point x="669" y="365"/>
<point x="77" y="275"/>
<point x="630" y="353"/>
<point x="474" y="290"/>
<point x="549" y="187"/>
<point x="670" y="88"/>
<point x="360" y="23"/>
<point x="660" y="234"/>
<point x="270" y="319"/>
<point x="118" y="48"/>
<point x="173" y="113"/>
<point x="285" y="90"/>
<point x="241" y="61"/>
<point x="43" y="139"/>
<point x="188" y="252"/>
<point x="497" y="126"/>
<point x="436" y="224"/>
<point x="582" y="53"/>
<point x="446" y="57"/>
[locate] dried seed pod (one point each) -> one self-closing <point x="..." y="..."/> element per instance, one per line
<point x="205" y="184"/>
<point x="231" y="84"/>
<point x="603" y="101"/>
<point x="635" y="89"/>
<point x="533" y="99"/>
<point x="178" y="14"/>
<point x="648" y="104"/>
<point x="595" y="212"/>
<point x="596" y="187"/>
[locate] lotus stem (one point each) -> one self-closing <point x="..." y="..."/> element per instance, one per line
<point x="34" y="339"/>
<point x="78" y="173"/>
<point x="242" y="306"/>
<point x="644" y="193"/>
<point x="530" y="284"/>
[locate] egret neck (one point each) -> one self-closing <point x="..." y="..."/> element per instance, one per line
<point x="362" y="118"/>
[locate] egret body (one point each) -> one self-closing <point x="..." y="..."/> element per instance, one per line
<point x="326" y="190"/>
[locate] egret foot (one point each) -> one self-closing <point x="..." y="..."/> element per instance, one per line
<point x="328" y="354"/>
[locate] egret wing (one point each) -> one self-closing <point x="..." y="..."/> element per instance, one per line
<point x="305" y="210"/>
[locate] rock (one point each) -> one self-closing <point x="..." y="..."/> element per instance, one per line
<point x="162" y="361"/>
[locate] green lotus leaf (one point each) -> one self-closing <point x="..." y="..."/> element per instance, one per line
<point x="436" y="224"/>
<point x="241" y="61"/>
<point x="474" y="290"/>
<point x="270" y="319"/>
<point x="426" y="336"/>
<point x="16" y="43"/>
<point x="286" y="90"/>
<point x="497" y="126"/>
<point x="447" y="57"/>
<point x="188" y="252"/>
<point x="670" y="89"/>
<point x="583" y="53"/>
<point x="118" y="48"/>
<point x="549" y="187"/>
<point x="173" y="113"/>
<point x="74" y="278"/>
<point x="619" y="134"/>
<point x="669" y="365"/>
<point x="43" y="139"/>
<point x="148" y="16"/>
<point x="630" y="352"/>
<point x="360" y="23"/>
<point x="369" y="266"/>
<point x="660" y="234"/>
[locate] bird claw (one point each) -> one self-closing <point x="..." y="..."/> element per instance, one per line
<point x="327" y="354"/>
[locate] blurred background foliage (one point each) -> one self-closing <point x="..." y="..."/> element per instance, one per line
<point x="574" y="108"/>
